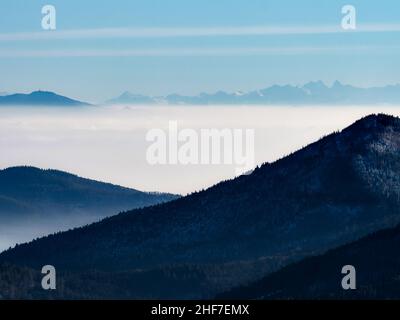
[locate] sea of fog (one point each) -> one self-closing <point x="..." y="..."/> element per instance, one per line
<point x="109" y="143"/>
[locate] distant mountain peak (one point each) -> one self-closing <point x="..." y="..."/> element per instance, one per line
<point x="42" y="93"/>
<point x="336" y="83"/>
<point x="128" y="94"/>
<point x="315" y="85"/>
<point x="39" y="97"/>
<point x="129" y="97"/>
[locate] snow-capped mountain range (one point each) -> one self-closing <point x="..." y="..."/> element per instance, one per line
<point x="314" y="93"/>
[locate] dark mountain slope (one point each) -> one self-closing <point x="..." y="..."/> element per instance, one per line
<point x="42" y="98"/>
<point x="25" y="283"/>
<point x="334" y="191"/>
<point x="377" y="273"/>
<point x="319" y="277"/>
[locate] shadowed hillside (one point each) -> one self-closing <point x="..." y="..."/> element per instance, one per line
<point x="377" y="273"/>
<point x="35" y="202"/>
<point x="27" y="190"/>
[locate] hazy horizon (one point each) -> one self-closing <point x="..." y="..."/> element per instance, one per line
<point x="238" y="90"/>
<point x="158" y="48"/>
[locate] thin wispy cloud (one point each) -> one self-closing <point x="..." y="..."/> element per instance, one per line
<point x="215" y="51"/>
<point x="191" y="32"/>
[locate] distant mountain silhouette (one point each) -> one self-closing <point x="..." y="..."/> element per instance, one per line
<point x="130" y="98"/>
<point x="42" y="98"/>
<point x="334" y="191"/>
<point x="374" y="257"/>
<point x="312" y="93"/>
<point x="29" y="194"/>
<point x="28" y="189"/>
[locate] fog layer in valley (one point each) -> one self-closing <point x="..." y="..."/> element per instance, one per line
<point x="19" y="231"/>
<point x="109" y="144"/>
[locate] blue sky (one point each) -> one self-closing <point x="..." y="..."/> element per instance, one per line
<point x="102" y="48"/>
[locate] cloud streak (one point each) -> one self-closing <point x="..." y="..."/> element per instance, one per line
<point x="192" y="32"/>
<point x="193" y="52"/>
